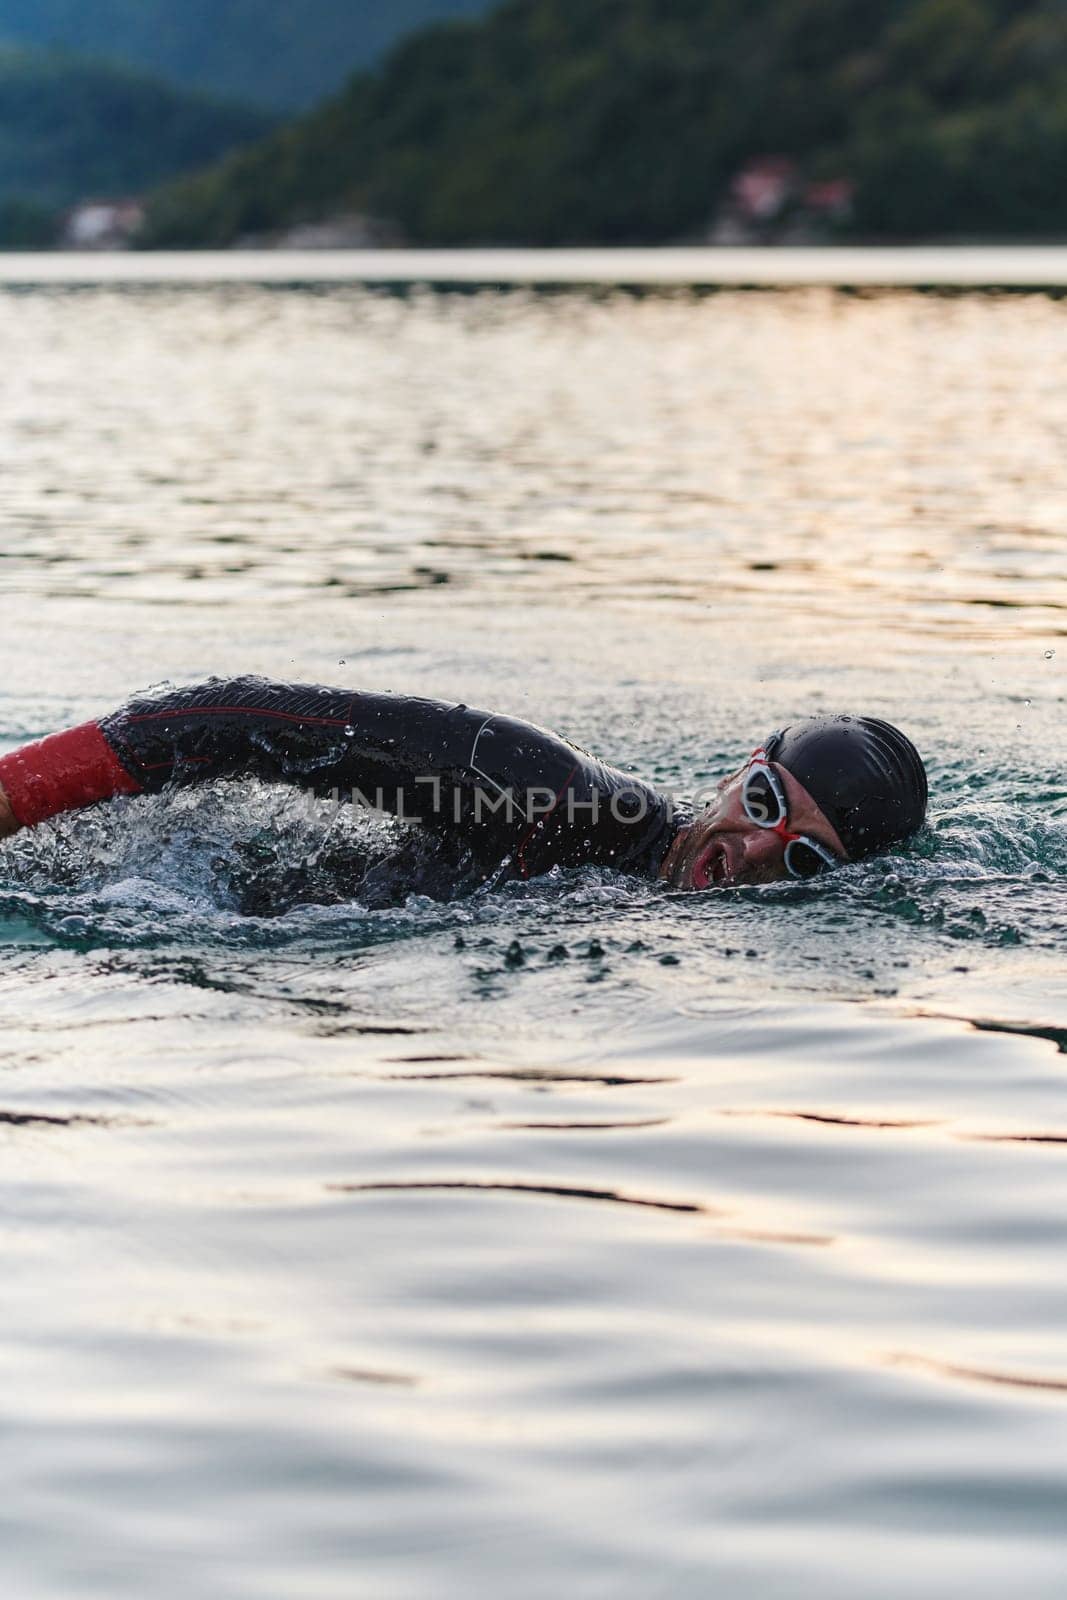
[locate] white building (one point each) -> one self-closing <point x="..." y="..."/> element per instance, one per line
<point x="102" y="224"/>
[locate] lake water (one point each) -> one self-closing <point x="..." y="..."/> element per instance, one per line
<point x="583" y="1238"/>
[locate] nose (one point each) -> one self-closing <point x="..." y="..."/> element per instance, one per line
<point x="762" y="849"/>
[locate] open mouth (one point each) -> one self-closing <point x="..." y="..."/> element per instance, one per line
<point x="712" y="869"/>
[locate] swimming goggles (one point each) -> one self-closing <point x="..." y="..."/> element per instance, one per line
<point x="765" y="804"/>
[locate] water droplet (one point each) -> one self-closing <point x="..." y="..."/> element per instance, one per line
<point x="342" y="662"/>
<point x="1049" y="654"/>
<point x="1028" y="702"/>
<point x="350" y="733"/>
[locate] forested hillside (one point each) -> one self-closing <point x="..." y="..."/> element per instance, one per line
<point x="625" y="120"/>
<point x="69" y="129"/>
<point x="283" y="53"/>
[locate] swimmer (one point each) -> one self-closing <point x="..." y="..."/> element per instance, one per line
<point x="816" y="794"/>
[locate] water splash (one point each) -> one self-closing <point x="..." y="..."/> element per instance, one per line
<point x="247" y="867"/>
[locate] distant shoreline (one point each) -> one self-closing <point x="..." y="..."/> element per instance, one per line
<point x="712" y="266"/>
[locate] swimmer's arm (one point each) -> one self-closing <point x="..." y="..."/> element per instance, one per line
<point x="60" y="773"/>
<point x="320" y="739"/>
<point x="418" y="759"/>
<point x="399" y="752"/>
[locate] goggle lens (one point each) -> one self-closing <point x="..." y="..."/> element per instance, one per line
<point x="802" y="861"/>
<point x="763" y="802"/>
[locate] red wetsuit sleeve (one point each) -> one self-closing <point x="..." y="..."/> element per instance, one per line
<point x="61" y="773"/>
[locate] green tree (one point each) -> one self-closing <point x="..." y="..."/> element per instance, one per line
<point x="610" y="121"/>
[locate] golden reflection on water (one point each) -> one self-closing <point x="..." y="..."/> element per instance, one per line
<point x="356" y="1218"/>
<point x="798" y="452"/>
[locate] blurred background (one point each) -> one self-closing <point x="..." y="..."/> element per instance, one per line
<point x="540" y="122"/>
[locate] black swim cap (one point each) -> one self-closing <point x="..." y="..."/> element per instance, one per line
<point x="864" y="775"/>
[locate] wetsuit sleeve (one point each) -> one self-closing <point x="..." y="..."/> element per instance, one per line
<point x="511" y="789"/>
<point x="418" y="759"/>
<point x="61" y="773"/>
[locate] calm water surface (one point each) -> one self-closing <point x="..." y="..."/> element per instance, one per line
<point x="583" y="1238"/>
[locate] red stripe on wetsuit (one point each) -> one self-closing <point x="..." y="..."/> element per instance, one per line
<point x="61" y="773"/>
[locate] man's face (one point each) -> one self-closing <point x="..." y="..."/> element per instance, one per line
<point x="723" y="848"/>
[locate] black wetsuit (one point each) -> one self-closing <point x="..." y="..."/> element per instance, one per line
<point x="519" y="800"/>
